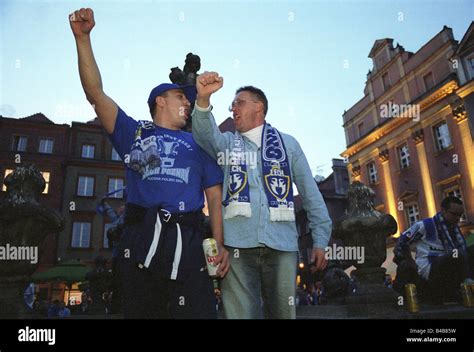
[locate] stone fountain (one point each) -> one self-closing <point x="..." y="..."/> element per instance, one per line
<point x="365" y="227"/>
<point x="24" y="223"/>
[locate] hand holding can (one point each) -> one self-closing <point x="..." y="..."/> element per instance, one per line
<point x="209" y="245"/>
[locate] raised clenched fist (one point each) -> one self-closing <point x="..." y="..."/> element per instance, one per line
<point x="208" y="83"/>
<point x="82" y="21"/>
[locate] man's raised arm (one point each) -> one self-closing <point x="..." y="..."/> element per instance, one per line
<point x="205" y="130"/>
<point x="82" y="22"/>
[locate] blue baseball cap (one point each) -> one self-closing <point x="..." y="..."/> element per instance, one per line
<point x="189" y="91"/>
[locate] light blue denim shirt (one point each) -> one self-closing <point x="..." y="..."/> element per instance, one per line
<point x="258" y="231"/>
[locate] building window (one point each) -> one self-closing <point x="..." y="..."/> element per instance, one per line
<point x="385" y="81"/>
<point x="372" y="173"/>
<point x="115" y="156"/>
<point x="108" y="226"/>
<point x="46" y="175"/>
<point x="413" y="214"/>
<point x="471" y="63"/>
<point x="429" y="81"/>
<point x="360" y="129"/>
<point x="404" y="156"/>
<point x="7" y="172"/>
<point x="81" y="235"/>
<point x="443" y="140"/>
<point x="115" y="185"/>
<point x="85" y="186"/>
<point x="46" y="146"/>
<point x="455" y="192"/>
<point x="19" y="143"/>
<point x="88" y="151"/>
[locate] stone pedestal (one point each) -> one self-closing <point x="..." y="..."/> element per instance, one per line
<point x="366" y="228"/>
<point x="372" y="297"/>
<point x="12" y="305"/>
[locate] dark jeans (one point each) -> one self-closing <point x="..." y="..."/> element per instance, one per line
<point x="446" y="274"/>
<point x="148" y="294"/>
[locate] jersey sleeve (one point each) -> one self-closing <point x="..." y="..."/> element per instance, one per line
<point x="124" y="132"/>
<point x="212" y="174"/>
<point x="409" y="236"/>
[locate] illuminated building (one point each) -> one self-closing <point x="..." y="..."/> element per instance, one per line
<point x="410" y="138"/>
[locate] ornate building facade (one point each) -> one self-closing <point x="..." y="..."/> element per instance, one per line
<point x="410" y="138"/>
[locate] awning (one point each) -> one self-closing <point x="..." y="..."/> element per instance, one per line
<point x="70" y="271"/>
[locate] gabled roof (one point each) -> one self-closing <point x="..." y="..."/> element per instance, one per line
<point x="378" y="44"/>
<point x="467" y="40"/>
<point x="38" y="117"/>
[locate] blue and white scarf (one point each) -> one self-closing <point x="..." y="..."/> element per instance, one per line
<point x="450" y="243"/>
<point x="145" y="150"/>
<point x="276" y="178"/>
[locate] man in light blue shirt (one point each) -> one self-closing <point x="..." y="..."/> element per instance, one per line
<point x="260" y="164"/>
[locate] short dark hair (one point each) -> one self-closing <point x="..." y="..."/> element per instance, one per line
<point x="152" y="105"/>
<point x="257" y="93"/>
<point x="446" y="203"/>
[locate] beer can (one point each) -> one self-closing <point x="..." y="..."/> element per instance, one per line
<point x="412" y="298"/>
<point x="209" y="245"/>
<point x="466" y="292"/>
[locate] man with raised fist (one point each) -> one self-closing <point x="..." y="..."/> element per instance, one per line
<point x="260" y="166"/>
<point x="161" y="256"/>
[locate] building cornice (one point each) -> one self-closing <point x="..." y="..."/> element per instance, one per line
<point x="392" y="124"/>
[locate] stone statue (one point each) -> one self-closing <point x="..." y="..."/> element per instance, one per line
<point x="187" y="77"/>
<point x="364" y="226"/>
<point x="191" y="66"/>
<point x="24" y="223"/>
<point x="177" y="76"/>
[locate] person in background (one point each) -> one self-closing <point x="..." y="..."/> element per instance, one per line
<point x="63" y="312"/>
<point x="441" y="252"/>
